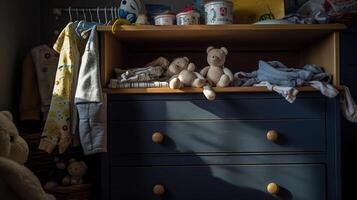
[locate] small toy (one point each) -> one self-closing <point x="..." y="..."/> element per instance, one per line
<point x="216" y="74"/>
<point x="184" y="74"/>
<point x="130" y="9"/>
<point x="76" y="171"/>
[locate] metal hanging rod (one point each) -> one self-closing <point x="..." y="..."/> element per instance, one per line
<point x="109" y="13"/>
<point x="106" y="9"/>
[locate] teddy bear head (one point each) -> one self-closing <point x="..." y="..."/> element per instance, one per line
<point x="216" y="57"/>
<point x="77" y="168"/>
<point x="12" y="145"/>
<point x="178" y="65"/>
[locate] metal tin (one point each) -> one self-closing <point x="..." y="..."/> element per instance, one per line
<point x="188" y="18"/>
<point x="219" y="12"/>
<point x="165" y="19"/>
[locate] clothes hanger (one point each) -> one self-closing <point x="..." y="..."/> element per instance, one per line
<point x="91" y="16"/>
<point x="98" y="17"/>
<point x="84" y="15"/>
<point x="105" y="15"/>
<point x="70" y="14"/>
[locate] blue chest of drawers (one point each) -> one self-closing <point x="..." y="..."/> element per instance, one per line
<point x="240" y="146"/>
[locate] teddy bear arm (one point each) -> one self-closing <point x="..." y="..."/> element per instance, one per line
<point x="229" y="73"/>
<point x="191" y="67"/>
<point x="198" y="75"/>
<point x="223" y="81"/>
<point x="204" y="71"/>
<point x="175" y="82"/>
<point x="198" y="83"/>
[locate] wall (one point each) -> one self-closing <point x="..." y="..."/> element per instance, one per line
<point x="18" y="34"/>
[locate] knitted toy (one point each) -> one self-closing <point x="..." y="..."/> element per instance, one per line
<point x="76" y="171"/>
<point x="216" y="74"/>
<point x="57" y="174"/>
<point x="17" y="182"/>
<point x="184" y="75"/>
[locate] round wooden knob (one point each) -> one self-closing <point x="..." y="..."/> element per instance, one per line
<point x="272" y="136"/>
<point x="157" y="138"/>
<point x="158" y="190"/>
<point x="273" y="188"/>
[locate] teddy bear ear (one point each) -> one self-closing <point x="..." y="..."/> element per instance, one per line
<point x="209" y="49"/>
<point x="186" y="58"/>
<point x="224" y="50"/>
<point x="7" y="114"/>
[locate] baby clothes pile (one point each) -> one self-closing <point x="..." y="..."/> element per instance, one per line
<point x="283" y="80"/>
<point x="150" y="76"/>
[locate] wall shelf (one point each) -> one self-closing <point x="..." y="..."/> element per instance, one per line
<point x="294" y="45"/>
<point x="237" y="36"/>
<point x="195" y="90"/>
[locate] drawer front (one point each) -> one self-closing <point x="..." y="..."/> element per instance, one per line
<point x="158" y="110"/>
<point x="217" y="136"/>
<point x="219" y="182"/>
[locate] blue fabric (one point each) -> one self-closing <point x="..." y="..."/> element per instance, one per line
<point x="317" y="17"/>
<point x="277" y="73"/>
<point x="89" y="98"/>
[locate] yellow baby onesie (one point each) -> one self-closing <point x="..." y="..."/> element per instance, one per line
<point x="59" y="124"/>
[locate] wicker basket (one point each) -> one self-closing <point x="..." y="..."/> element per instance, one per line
<point x="73" y="192"/>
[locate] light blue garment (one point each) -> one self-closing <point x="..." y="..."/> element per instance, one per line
<point x="277" y="73"/>
<point x="276" y="76"/>
<point x="89" y="98"/>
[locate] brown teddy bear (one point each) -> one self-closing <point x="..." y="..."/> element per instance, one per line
<point x="183" y="74"/>
<point x="216" y="74"/>
<point x="76" y="171"/>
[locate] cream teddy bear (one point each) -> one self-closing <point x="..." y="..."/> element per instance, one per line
<point x="17" y="182"/>
<point x="216" y="74"/>
<point x="183" y="74"/>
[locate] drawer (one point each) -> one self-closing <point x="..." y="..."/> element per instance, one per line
<point x="158" y="110"/>
<point x="216" y="136"/>
<point x="219" y="182"/>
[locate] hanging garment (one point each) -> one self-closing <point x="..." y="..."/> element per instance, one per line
<point x="30" y="101"/>
<point x="61" y="120"/>
<point x="45" y="60"/>
<point x="89" y="99"/>
<point x="274" y="73"/>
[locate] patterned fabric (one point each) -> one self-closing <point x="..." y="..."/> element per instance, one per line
<point x="59" y="124"/>
<point x="114" y="83"/>
<point x="45" y="60"/>
<point x="151" y="73"/>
